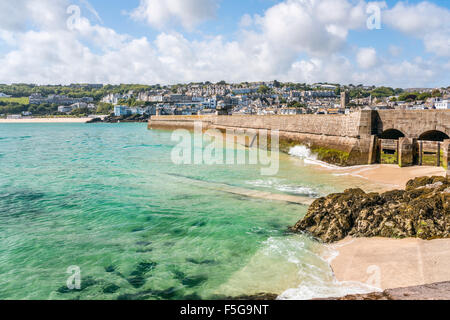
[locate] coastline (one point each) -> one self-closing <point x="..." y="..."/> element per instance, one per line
<point x="390" y="175"/>
<point x="391" y="263"/>
<point x="47" y="120"/>
<point x="386" y="263"/>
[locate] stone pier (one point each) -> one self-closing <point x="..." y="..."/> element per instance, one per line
<point x="446" y="154"/>
<point x="405" y="152"/>
<point x="409" y="137"/>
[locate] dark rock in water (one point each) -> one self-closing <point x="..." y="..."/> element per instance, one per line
<point x="144" y="250"/>
<point x="114" y="119"/>
<point x="144" y="243"/>
<point x="199" y="224"/>
<point x="178" y="231"/>
<point x="134" y="296"/>
<point x="144" y="267"/>
<point x="422" y="211"/>
<point x="179" y="275"/>
<point x="169" y="244"/>
<point x="166" y="294"/>
<point x="138" y="229"/>
<point x="111" y="288"/>
<point x="193" y="281"/>
<point x="64" y="289"/>
<point x="137" y="278"/>
<point x="136" y="281"/>
<point x="195" y="261"/>
<point x="192" y="296"/>
<point x="110" y="269"/>
<point x="88" y="282"/>
<point x="95" y="120"/>
<point x="85" y="283"/>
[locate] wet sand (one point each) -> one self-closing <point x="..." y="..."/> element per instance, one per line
<point x="392" y="176"/>
<point x="46" y="120"/>
<point x="391" y="263"/>
<point x="243" y="191"/>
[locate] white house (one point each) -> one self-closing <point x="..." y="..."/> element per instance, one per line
<point x="112" y="98"/>
<point x="64" y="109"/>
<point x="442" y="105"/>
<point x="2" y="95"/>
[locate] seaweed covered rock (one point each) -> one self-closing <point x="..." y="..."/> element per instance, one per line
<point x="422" y="211"/>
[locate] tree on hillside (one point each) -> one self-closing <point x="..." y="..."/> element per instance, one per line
<point x="436" y="93"/>
<point x="382" y="92"/>
<point x="424" y="96"/>
<point x="408" y="97"/>
<point x="263" y="89"/>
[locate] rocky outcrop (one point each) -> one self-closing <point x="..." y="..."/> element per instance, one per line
<point x="422" y="211"/>
<point x="114" y="119"/>
<point x="435" y="291"/>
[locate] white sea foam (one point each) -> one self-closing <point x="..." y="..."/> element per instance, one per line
<point x="314" y="276"/>
<point x="278" y="184"/>
<point x="309" y="157"/>
<point x="294" y="267"/>
<point x="302" y="152"/>
<point x="314" y="289"/>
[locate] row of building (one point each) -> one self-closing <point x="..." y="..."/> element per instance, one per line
<point x="78" y="105"/>
<point x="37" y="98"/>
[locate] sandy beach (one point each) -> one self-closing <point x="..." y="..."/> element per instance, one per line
<point x="46" y="120"/>
<point x="392" y="176"/>
<point x="392" y="263"/>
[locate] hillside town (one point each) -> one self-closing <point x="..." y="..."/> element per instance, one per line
<point x="273" y="98"/>
<point x="261" y="98"/>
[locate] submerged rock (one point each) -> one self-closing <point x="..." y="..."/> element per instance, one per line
<point x="422" y="211"/>
<point x="194" y="281"/>
<point x="111" y="288"/>
<point x="110" y="268"/>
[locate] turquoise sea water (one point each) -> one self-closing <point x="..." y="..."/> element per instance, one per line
<point x="108" y="199"/>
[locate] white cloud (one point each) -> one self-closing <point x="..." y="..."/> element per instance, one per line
<point x="296" y="40"/>
<point x="47" y="14"/>
<point x="425" y="21"/>
<point x="188" y="13"/>
<point x="312" y="26"/>
<point x="366" y="58"/>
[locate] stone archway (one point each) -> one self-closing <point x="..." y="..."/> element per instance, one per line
<point x="432" y="149"/>
<point x="434" y="135"/>
<point x="392" y="134"/>
<point x="388" y="146"/>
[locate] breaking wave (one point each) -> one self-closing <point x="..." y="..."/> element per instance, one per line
<point x="315" y="277"/>
<point x="286" y="188"/>
<point x="309" y="157"/>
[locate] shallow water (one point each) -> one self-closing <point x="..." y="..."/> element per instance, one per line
<point x="108" y="199"/>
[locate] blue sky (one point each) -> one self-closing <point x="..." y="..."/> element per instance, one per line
<point x="171" y="41"/>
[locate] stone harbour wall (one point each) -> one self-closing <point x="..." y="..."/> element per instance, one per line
<point x="349" y="134"/>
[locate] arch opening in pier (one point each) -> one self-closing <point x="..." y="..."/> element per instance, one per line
<point x="392" y="134"/>
<point x="434" y="135"/>
<point x="430" y="148"/>
<point x="389" y="146"/>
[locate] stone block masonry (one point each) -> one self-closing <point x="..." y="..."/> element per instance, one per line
<point x="349" y="134"/>
<point x="353" y="138"/>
